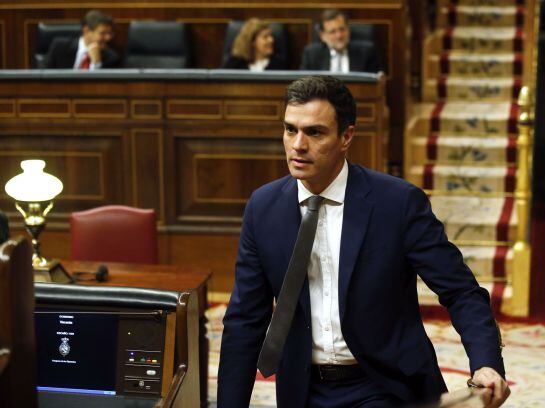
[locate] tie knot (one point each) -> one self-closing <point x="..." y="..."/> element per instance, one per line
<point x="314" y="202"/>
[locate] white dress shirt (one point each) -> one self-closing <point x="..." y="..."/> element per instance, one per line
<point x="80" y="54"/>
<point x="259" y="65"/>
<point x="339" y="61"/>
<point x="328" y="344"/>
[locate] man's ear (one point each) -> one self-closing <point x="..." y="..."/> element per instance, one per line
<point x="322" y="34"/>
<point x="348" y="137"/>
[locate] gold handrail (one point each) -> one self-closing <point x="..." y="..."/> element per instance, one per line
<point x="520" y="301"/>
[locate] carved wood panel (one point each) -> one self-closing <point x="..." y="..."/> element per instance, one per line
<point x="220" y="174"/>
<point x="92" y="169"/>
<point x="147" y="176"/>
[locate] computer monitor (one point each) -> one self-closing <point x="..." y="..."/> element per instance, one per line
<point x="115" y="345"/>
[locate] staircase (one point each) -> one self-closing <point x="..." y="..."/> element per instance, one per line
<point x="460" y="144"/>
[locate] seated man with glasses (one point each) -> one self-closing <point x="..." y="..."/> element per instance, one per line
<point x="336" y="53"/>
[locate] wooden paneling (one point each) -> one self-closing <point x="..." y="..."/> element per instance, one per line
<point x="146" y="109"/>
<point x="196" y="166"/>
<point x="7" y="108"/>
<point x="253" y="110"/>
<point x="192" y="150"/>
<point x="90" y="167"/>
<point x="148" y="184"/>
<point x="207" y="21"/>
<point x="194" y="109"/>
<point x="100" y="108"/>
<point x="43" y="108"/>
<point x="221" y="174"/>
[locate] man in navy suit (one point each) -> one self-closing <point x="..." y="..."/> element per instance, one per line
<point x="88" y="52"/>
<point x="336" y="52"/>
<point x="357" y="337"/>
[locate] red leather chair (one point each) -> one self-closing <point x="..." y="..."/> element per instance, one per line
<point x="114" y="233"/>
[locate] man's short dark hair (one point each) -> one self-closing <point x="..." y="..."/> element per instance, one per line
<point x="331" y="14"/>
<point x="94" y="18"/>
<point x="325" y="87"/>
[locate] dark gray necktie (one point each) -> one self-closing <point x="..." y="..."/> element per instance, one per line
<point x="273" y="345"/>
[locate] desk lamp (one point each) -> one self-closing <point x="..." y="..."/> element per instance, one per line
<point x="34" y="191"/>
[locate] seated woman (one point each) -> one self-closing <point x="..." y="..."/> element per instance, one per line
<point x="253" y="48"/>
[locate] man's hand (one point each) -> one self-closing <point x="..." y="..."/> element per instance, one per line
<point x="94" y="53"/>
<point x="488" y="377"/>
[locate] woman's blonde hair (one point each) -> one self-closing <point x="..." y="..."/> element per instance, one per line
<point x="243" y="44"/>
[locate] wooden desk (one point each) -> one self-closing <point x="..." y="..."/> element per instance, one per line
<point x="167" y="277"/>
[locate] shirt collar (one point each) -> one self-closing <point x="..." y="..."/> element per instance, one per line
<point x="334" y="192"/>
<point x="259" y="65"/>
<point x="81" y="45"/>
<point x="333" y="52"/>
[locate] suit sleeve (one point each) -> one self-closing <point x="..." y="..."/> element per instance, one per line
<point x="305" y="62"/>
<point x="440" y="264"/>
<point x="245" y="322"/>
<point x="110" y="59"/>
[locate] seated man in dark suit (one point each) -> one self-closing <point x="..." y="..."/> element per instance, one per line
<point x="90" y="51"/>
<point x="336" y="53"/>
<point x="4" y="228"/>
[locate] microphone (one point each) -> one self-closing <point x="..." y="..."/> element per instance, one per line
<point x="100" y="275"/>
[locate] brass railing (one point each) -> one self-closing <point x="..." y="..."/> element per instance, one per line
<point x="519" y="303"/>
<point x="520" y="300"/>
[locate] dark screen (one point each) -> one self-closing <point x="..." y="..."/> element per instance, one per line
<point x="72" y="356"/>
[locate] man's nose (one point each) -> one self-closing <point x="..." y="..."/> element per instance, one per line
<point x="300" y="142"/>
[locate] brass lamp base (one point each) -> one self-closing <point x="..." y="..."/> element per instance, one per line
<point x="52" y="271"/>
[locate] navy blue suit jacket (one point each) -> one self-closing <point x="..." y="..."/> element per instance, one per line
<point x="389" y="236"/>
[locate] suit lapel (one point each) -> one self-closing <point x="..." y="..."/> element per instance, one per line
<point x="353" y="59"/>
<point x="326" y="58"/>
<point x="72" y="52"/>
<point x="357" y="212"/>
<point x="289" y="215"/>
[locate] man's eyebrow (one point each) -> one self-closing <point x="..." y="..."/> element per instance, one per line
<point x="317" y="127"/>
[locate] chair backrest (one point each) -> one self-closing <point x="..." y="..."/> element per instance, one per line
<point x="279" y="34"/>
<point x="47" y="32"/>
<point x="358" y="32"/>
<point x="114" y="233"/>
<point x="157" y="44"/>
<point x="4" y="228"/>
<point x="17" y="338"/>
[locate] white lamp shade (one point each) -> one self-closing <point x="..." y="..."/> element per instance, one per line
<point x="33" y="185"/>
